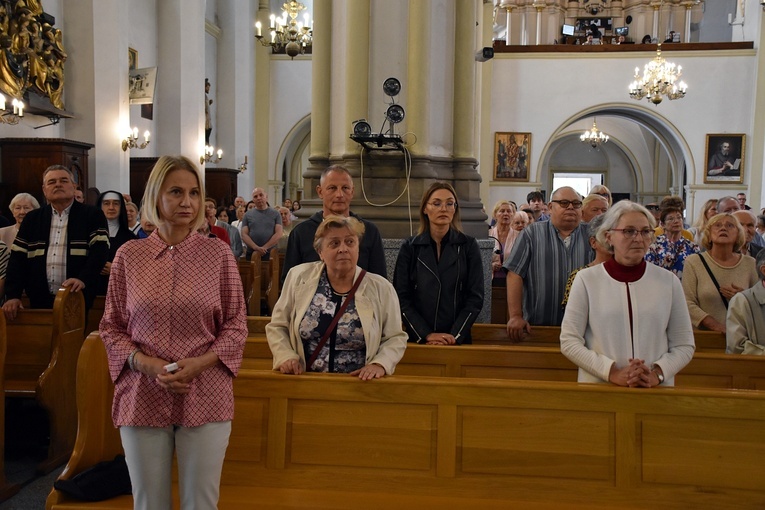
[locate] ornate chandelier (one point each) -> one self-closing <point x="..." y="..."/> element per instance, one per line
<point x="658" y="80"/>
<point x="288" y="35"/>
<point x="594" y="137"/>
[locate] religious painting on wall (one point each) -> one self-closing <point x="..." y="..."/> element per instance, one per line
<point x="511" y="156"/>
<point x="142" y="84"/>
<point x="725" y="158"/>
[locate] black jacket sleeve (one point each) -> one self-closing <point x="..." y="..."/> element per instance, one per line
<point x="472" y="289"/>
<point x="404" y="283"/>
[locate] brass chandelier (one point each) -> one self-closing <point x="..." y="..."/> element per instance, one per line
<point x="594" y="137"/>
<point x="659" y="79"/>
<point x="288" y="35"/>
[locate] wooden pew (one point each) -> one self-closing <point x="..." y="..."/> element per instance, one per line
<point x="267" y="272"/>
<point x="6" y="489"/>
<point x="250" y="281"/>
<point x="520" y="362"/>
<point x="496" y="334"/>
<point x="41" y="362"/>
<point x="421" y="442"/>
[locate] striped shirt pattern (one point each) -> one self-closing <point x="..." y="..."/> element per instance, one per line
<point x="542" y="259"/>
<point x="56" y="261"/>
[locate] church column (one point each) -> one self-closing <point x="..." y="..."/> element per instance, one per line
<point x="258" y="167"/>
<point x="235" y="87"/>
<point x="179" y="104"/>
<point x="97" y="87"/>
<point x="321" y="67"/>
<point x="418" y="75"/>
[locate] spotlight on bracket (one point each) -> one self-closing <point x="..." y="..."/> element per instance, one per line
<point x="386" y="139"/>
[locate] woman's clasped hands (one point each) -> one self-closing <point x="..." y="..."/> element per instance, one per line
<point x="178" y="381"/>
<point x="635" y="375"/>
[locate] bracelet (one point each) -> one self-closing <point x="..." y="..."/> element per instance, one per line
<point x="131" y="359"/>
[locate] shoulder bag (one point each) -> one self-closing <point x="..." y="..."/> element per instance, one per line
<point x="714" y="280"/>
<point x="335" y="320"/>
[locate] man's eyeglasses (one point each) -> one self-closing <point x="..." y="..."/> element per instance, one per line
<point x="630" y="233"/>
<point x="576" y="204"/>
<point x="438" y="204"/>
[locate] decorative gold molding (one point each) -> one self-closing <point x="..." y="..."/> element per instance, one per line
<point x="32" y="52"/>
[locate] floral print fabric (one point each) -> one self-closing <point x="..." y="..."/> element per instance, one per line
<point x="346" y="350"/>
<point x="671" y="255"/>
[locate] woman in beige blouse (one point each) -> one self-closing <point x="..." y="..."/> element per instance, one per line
<point x="723" y="236"/>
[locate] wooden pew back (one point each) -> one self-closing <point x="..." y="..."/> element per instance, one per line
<point x="41" y="362"/>
<point x="267" y="273"/>
<point x="250" y="276"/>
<point x="542" y="443"/>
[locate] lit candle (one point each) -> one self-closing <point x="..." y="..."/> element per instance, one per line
<point x="306" y="17"/>
<point x="15" y="104"/>
<point x="135" y="133"/>
<point x="273" y="21"/>
<point x="257" y="28"/>
<point x="146" y="135"/>
<point x="220" y="153"/>
<point x="21" y="109"/>
<point x="273" y="35"/>
<point x="2" y="102"/>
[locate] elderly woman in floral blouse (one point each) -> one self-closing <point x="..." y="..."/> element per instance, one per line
<point x="670" y="249"/>
<point x="366" y="341"/>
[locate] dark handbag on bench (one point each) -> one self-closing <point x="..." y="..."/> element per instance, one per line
<point x="105" y="480"/>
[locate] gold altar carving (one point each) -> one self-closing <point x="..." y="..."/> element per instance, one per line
<point x="32" y="52"/>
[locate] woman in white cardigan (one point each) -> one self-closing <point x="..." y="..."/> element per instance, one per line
<point x="367" y="341"/>
<point x="626" y="321"/>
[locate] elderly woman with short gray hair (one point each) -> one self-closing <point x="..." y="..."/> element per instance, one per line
<point x="332" y="316"/>
<point x="20" y="205"/>
<point x="612" y="328"/>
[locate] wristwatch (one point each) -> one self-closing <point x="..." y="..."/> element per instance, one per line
<point x="659" y="375"/>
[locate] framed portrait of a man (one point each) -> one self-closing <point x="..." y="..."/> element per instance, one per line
<point x="725" y="158"/>
<point x="511" y="156"/>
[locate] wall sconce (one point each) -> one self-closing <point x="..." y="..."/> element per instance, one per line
<point x="243" y="166"/>
<point x="131" y="140"/>
<point x="8" y="117"/>
<point x="207" y="157"/>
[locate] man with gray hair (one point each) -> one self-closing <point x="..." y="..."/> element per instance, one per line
<point x="62" y="244"/>
<point x="749" y="221"/>
<point x="745" y="320"/>
<point x="542" y="258"/>
<point x="727" y="204"/>
<point x="261" y="226"/>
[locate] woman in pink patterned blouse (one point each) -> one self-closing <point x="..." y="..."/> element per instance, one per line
<point x="174" y="298"/>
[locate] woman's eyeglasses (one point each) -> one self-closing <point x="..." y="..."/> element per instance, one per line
<point x="438" y="204"/>
<point x="630" y="233"/>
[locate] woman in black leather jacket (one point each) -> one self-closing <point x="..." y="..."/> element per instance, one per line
<point x="439" y="275"/>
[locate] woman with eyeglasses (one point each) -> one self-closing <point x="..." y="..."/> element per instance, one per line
<point x="439" y="274"/>
<point x="604" y="192"/>
<point x="612" y="328"/>
<point x="670" y="249"/>
<point x="712" y="278"/>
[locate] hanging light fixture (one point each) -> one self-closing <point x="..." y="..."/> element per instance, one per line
<point x="659" y="79"/>
<point x="14" y="113"/>
<point x="288" y="35"/>
<point x="594" y="137"/>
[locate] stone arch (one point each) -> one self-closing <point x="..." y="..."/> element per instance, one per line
<point x="292" y="158"/>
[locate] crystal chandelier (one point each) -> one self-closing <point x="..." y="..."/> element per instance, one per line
<point x="288" y="35"/>
<point x="658" y="80"/>
<point x="594" y="137"/>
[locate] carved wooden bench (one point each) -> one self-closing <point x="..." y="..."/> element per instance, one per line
<point x="332" y="441"/>
<point x="41" y="361"/>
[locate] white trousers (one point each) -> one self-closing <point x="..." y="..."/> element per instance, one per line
<point x="200" y="451"/>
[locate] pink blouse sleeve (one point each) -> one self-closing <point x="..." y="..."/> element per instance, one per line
<point x="232" y="332"/>
<point x="113" y="326"/>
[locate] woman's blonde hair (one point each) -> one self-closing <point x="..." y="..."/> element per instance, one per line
<point x="159" y="173"/>
<point x="701" y="220"/>
<point x="334" y="221"/>
<point x="499" y="204"/>
<point x="706" y="237"/>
